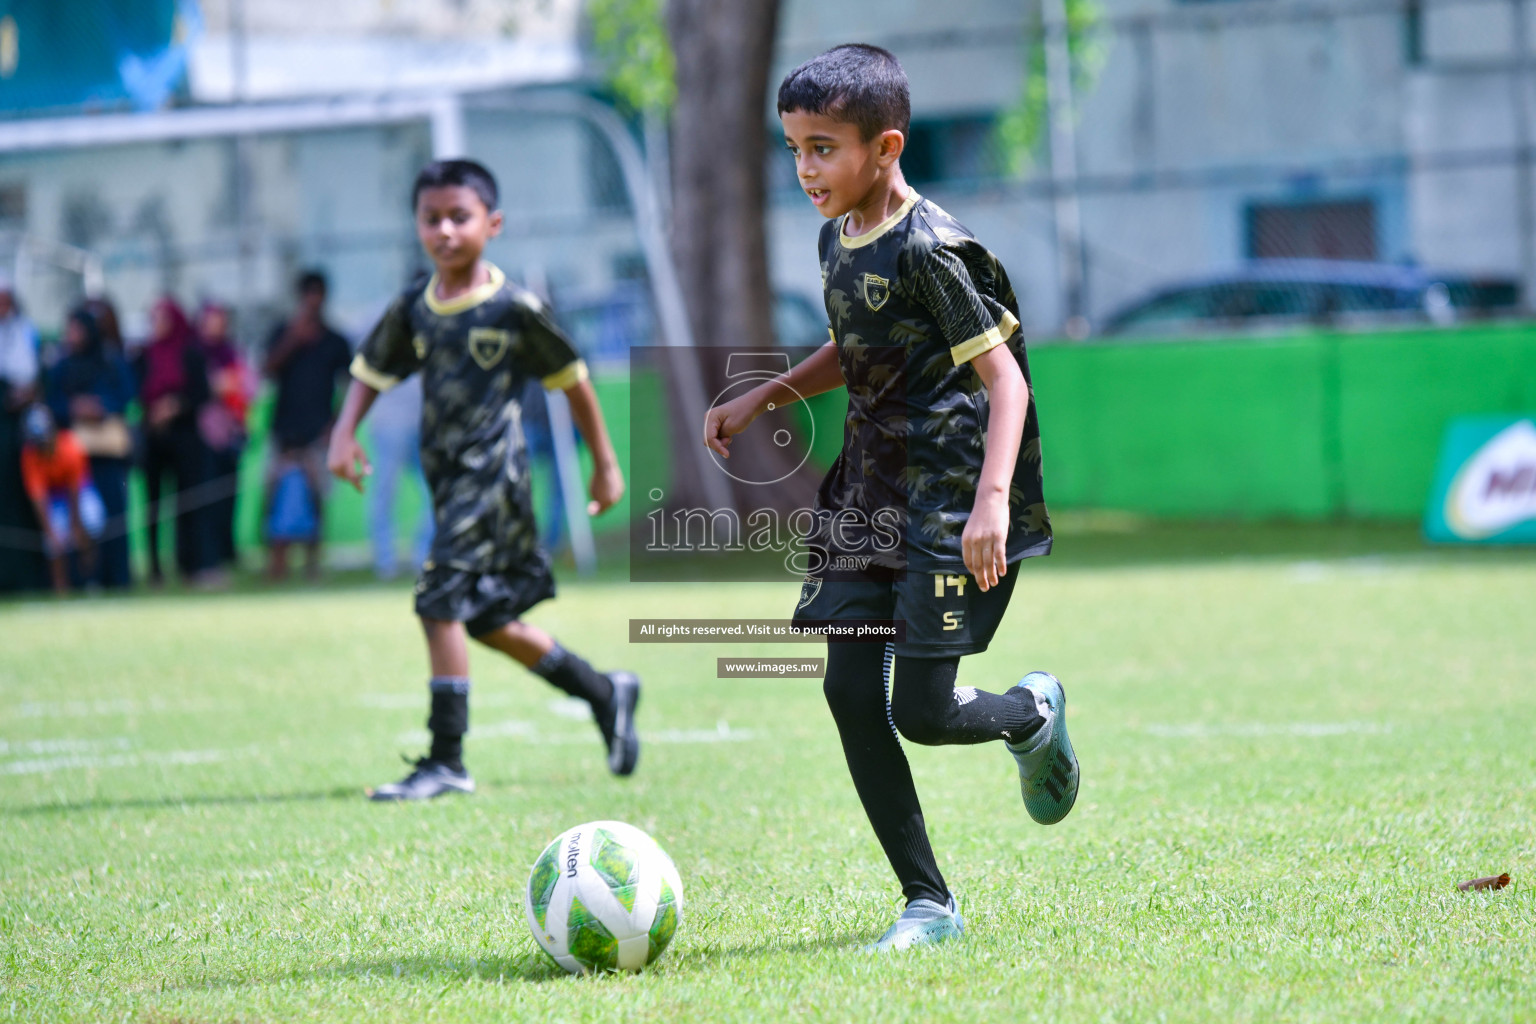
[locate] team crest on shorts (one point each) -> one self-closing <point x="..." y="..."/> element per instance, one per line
<point x="488" y="344"/>
<point x="808" y="591"/>
<point x="876" y="290"/>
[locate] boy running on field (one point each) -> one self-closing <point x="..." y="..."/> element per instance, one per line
<point x="941" y="442"/>
<point x="477" y="340"/>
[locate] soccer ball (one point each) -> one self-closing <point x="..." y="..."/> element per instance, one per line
<point x="603" y="897"/>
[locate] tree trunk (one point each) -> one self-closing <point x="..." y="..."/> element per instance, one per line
<point x="723" y="50"/>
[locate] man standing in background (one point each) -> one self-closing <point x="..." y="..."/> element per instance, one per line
<point x="21" y="565"/>
<point x="305" y="359"/>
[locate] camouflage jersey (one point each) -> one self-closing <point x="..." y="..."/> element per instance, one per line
<point x="476" y="354"/>
<point x="910" y="303"/>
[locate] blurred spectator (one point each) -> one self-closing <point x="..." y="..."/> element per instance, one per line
<point x="89" y="390"/>
<point x="18" y="350"/>
<point x="21" y="567"/>
<point x="306" y="357"/>
<point x="221" y="423"/>
<point x="57" y="477"/>
<point x="106" y="319"/>
<point x="394" y="428"/>
<point x="173" y="387"/>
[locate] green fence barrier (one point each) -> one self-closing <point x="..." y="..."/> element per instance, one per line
<point x="1307" y="426"/>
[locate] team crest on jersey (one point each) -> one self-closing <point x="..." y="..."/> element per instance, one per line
<point x="488" y="344"/>
<point x="419" y="343"/>
<point x="808" y="591"/>
<point x="876" y="290"/>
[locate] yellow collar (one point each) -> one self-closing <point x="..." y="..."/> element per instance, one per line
<point x="470" y="299"/>
<point x="881" y="228"/>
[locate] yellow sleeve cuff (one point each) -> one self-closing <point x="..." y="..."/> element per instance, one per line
<point x="573" y="374"/>
<point x="973" y="347"/>
<point x="368" y="375"/>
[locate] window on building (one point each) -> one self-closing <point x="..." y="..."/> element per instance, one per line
<point x="950" y="149"/>
<point x="13" y="205"/>
<point x="605" y="179"/>
<point x="1331" y="230"/>
<point x="938" y="150"/>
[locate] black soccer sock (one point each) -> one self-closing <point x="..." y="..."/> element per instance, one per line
<point x="449" y="720"/>
<point x="928" y="708"/>
<point x="855" y="691"/>
<point x="572" y="674"/>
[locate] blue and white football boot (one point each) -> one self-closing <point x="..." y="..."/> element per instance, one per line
<point x="1047" y="766"/>
<point x="923" y="922"/>
<point x="428" y="779"/>
<point x="617" y="722"/>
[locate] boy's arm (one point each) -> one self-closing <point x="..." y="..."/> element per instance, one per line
<point x="607" y="484"/>
<point x="345" y="457"/>
<point x="36" y="486"/>
<point x="818" y="373"/>
<point x="984" y="542"/>
<point x="76" y="520"/>
<point x="40" y="509"/>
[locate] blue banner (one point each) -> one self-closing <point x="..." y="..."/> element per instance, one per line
<point x="93" y="53"/>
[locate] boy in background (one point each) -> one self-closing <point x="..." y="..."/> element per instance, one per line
<point x="306" y="357"/>
<point x="925" y="336"/>
<point x="56" y="473"/>
<point x="477" y="340"/>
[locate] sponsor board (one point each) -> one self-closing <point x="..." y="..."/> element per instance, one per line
<point x="1485" y="485"/>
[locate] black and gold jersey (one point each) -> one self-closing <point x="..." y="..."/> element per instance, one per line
<point x="910" y="303"/>
<point x="476" y="354"/>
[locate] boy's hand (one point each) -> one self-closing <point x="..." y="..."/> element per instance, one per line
<point x="984" y="543"/>
<point x="606" y="488"/>
<point x="725" y="421"/>
<point x="346" y="459"/>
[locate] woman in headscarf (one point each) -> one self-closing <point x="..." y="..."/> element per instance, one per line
<point x="89" y="390"/>
<point x="174" y="386"/>
<point x="222" y="420"/>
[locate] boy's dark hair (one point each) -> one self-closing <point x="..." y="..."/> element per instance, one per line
<point x="444" y="173"/>
<point x="858" y="83"/>
<point x="37" y="426"/>
<point x="311" y="281"/>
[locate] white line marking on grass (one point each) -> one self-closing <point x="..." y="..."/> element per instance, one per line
<point x="96" y="708"/>
<point x="573" y="708"/>
<point x="721" y="733"/>
<point x="155" y="757"/>
<point x="421" y="698"/>
<point x="1252" y="729"/>
<point x="532" y="733"/>
<point x="1364" y="567"/>
<point x="35" y="747"/>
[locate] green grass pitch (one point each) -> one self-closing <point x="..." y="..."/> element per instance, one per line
<point x="1288" y="763"/>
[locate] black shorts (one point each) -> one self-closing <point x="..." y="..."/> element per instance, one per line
<point x="484" y="602"/>
<point x="946" y="614"/>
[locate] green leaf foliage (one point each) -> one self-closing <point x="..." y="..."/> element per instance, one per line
<point x="629" y="40"/>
